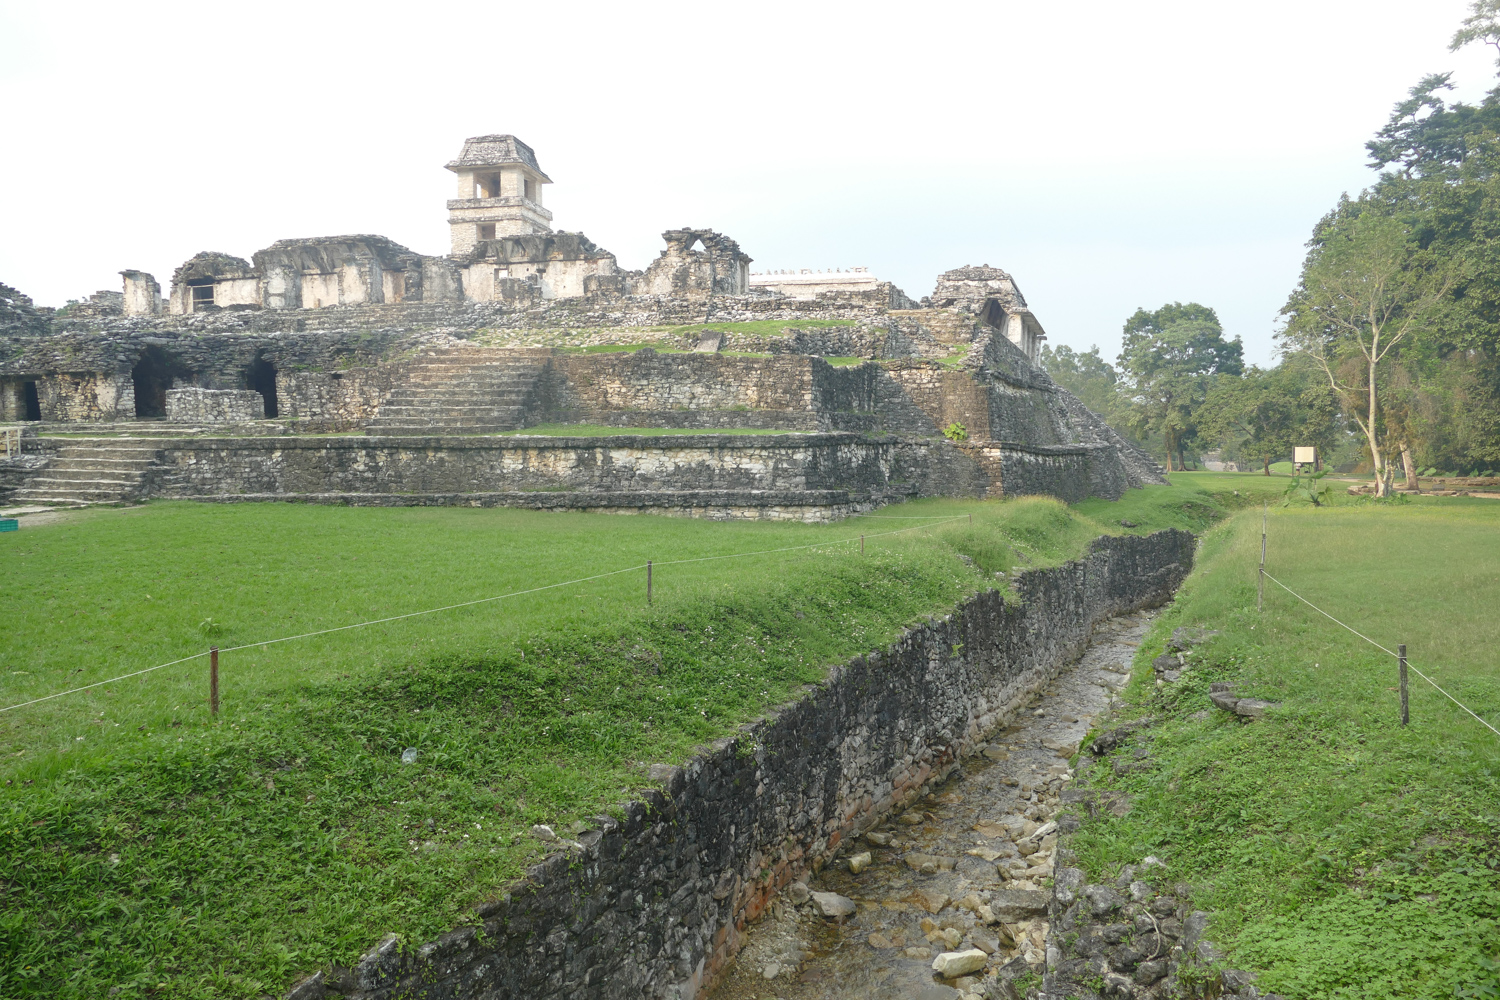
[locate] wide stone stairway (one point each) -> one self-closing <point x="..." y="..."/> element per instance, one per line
<point x="90" y="470"/>
<point x="462" y="390"/>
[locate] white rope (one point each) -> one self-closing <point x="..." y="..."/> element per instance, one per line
<point x="1325" y="614"/>
<point x="814" y="545"/>
<point x="465" y="604"/>
<point x="122" y="677"/>
<point x="1378" y="646"/>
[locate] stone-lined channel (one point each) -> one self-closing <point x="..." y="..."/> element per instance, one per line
<point x="968" y="867"/>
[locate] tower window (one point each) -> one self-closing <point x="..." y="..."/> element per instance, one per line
<point x="486" y="230"/>
<point x="527" y="189"/>
<point x="489" y="186"/>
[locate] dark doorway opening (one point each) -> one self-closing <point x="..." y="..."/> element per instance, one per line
<point x="994" y="315"/>
<point x="33" y="402"/>
<point x="202" y="290"/>
<point x="262" y="379"/>
<point x="152" y="377"/>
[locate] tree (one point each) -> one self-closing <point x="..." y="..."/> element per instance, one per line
<point x="1267" y="412"/>
<point x="1085" y="374"/>
<point x="1168" y="360"/>
<point x="1366" y="287"/>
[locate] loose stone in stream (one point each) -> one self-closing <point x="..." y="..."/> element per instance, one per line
<point x="797" y="893"/>
<point x="930" y="900"/>
<point x="959" y="963"/>
<point x="879" y="839"/>
<point x="831" y="904"/>
<point x="859" y="862"/>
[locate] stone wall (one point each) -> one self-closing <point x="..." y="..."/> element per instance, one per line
<point x="654" y="905"/>
<point x="215" y="406"/>
<point x="649" y="389"/>
<point x="268" y="466"/>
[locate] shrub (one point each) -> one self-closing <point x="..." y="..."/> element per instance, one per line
<point x="956" y="432"/>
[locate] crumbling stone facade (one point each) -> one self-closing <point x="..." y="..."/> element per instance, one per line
<point x="359" y="334"/>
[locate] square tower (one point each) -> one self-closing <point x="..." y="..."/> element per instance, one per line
<point x="499" y="192"/>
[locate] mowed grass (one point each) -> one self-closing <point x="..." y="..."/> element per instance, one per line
<point x="1341" y="855"/>
<point x="149" y="850"/>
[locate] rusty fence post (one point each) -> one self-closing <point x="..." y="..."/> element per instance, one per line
<point x="648" y="582"/>
<point x="1405" y="710"/>
<point x="213" y="679"/>
<point x="861" y="544"/>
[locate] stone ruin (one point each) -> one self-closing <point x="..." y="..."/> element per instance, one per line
<point x="350" y="369"/>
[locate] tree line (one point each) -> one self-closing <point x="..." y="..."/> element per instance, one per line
<point x="1390" y="345"/>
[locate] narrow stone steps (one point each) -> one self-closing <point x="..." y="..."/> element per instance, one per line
<point x="91" y="476"/>
<point x="460" y="391"/>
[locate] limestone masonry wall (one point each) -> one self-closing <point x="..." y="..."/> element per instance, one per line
<point x="654" y="905"/>
<point x="289" y="466"/>
<point x="214" y="406"/>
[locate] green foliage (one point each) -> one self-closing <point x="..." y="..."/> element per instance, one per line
<point x="1306" y="488"/>
<point x="956" y="432"/>
<point x="1266" y="413"/>
<point x="1169" y="359"/>
<point x="1341" y="854"/>
<point x="1089" y="377"/>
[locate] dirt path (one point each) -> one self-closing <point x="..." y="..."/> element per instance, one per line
<point x="966" y="868"/>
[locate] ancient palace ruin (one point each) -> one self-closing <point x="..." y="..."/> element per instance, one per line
<point x="350" y="369"/>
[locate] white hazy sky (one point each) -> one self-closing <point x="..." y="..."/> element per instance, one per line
<point x="1108" y="155"/>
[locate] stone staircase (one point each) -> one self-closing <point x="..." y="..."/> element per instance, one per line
<point x="462" y="390"/>
<point x="90" y="470"/>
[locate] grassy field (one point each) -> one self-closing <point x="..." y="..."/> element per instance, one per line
<point x="148" y="849"/>
<point x="1342" y="855"/>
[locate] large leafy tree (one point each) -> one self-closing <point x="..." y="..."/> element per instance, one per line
<point x="1367" y="287"/>
<point x="1267" y="412"/>
<point x="1168" y="360"/>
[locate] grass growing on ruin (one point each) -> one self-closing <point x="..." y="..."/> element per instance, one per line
<point x="599" y="430"/>
<point x="762" y="327"/>
<point x="146" y="848"/>
<point x="1341" y="854"/>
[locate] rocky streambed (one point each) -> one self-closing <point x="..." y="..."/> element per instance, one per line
<point x="950" y="898"/>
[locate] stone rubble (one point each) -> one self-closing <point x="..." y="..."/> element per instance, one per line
<point x="955" y="900"/>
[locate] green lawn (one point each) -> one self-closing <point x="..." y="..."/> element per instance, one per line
<point x="128" y="818"/>
<point x="1342" y="855"/>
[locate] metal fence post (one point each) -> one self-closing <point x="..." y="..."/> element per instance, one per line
<point x="861" y="544"/>
<point x="648" y="582"/>
<point x="1405" y="711"/>
<point x="213" y="679"/>
<point x="1260" y="581"/>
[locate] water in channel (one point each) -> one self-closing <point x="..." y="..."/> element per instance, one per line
<point x="933" y="868"/>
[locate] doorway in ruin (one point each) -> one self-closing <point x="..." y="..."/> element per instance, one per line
<point x="262" y="378"/>
<point x="994" y="315"/>
<point x="31" y="401"/>
<point x="152" y="377"/>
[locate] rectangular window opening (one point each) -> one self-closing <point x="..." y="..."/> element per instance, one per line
<point x="486" y="230"/>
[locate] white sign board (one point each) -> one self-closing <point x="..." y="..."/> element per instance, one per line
<point x="1301" y="455"/>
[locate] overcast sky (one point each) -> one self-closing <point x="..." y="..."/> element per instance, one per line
<point x="1108" y="155"/>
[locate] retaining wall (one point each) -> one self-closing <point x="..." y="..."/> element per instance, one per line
<point x="207" y="466"/>
<point x="653" y="906"/>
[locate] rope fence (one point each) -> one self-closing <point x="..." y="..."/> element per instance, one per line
<point x="214" y="652"/>
<point x="1400" y="656"/>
